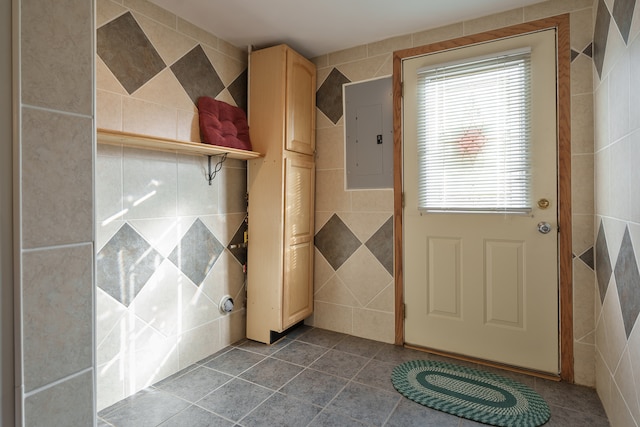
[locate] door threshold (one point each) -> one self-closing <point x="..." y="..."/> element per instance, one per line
<point x="482" y="362"/>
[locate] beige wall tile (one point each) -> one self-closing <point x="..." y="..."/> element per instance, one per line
<point x="614" y="229"/>
<point x="581" y="75"/>
<point x="170" y="44"/>
<point x="623" y="378"/>
<point x="106" y="10"/>
<point x="372" y="200"/>
<point x="338" y="318"/>
<point x="197" y="33"/>
<point x="582" y="124"/>
<point x="602" y="168"/>
<point x="619" y="415"/>
<point x="491" y="22"/>
<point x="616" y="338"/>
<point x="330" y="148"/>
<point x="384" y="301"/>
<point x="364" y="224"/>
<point x="69" y="403"/>
<point x="373" y="325"/>
<point x="583" y="300"/>
<point x="389" y="45"/>
<point x="620" y="173"/>
<point x="581" y="28"/>
<point x="330" y="193"/>
<point x="239" y="53"/>
<point x="153" y="11"/>
<point x="335" y="292"/>
<point x="364" y="69"/>
<point x="151" y="365"/>
<point x="619" y="96"/>
<point x="57" y="178"/>
<point x="615" y="48"/>
<point x="603" y="382"/>
<point x="322" y="271"/>
<point x="233" y="327"/>
<point x="227" y="68"/>
<point x="347" y="55"/>
<point x="148" y="118"/>
<point x="109" y="385"/>
<point x="225" y="278"/>
<point x="200" y="342"/>
<point x="57" y="69"/>
<point x="554" y="7"/>
<point x="584" y="361"/>
<point x="165" y="89"/>
<point x="57" y="307"/>
<point x="601" y="115"/>
<point x="582" y="183"/>
<point x="582" y="232"/>
<point x="447" y="32"/>
<point x="106" y="81"/>
<point x="363" y="275"/>
<point x="108" y="110"/>
<point x="188" y="127"/>
<point x="109" y="313"/>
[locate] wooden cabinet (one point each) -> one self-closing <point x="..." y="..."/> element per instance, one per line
<point x="281" y="191"/>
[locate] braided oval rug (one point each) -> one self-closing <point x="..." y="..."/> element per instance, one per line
<point x="470" y="393"/>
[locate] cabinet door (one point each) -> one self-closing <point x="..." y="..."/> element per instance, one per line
<point x="298" y="239"/>
<point x="301" y="104"/>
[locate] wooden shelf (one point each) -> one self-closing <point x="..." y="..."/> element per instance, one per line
<point x="113" y="137"/>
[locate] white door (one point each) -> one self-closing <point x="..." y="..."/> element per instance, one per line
<point x="485" y="284"/>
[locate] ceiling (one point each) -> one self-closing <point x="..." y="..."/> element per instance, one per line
<point x="322" y="26"/>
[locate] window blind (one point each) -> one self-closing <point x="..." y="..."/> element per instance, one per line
<point x="474" y="135"/>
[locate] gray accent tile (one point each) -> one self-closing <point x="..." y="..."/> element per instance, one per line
<point x="300" y="353"/>
<point x="147" y="409"/>
<point x="236" y="247"/>
<point x="628" y="282"/>
<point x="336" y="242"/>
<point x="194" y="416"/>
<point x="600" y="35"/>
<point x="588" y="50"/>
<point x="281" y="410"/>
<point x="235" y="399"/>
<point x="332" y="419"/>
<point x="381" y="245"/>
<point x="570" y="396"/>
<point x="365" y="403"/>
<point x="125" y="264"/>
<point x="196" y="384"/>
<point x="322" y="337"/>
<point x="271" y="373"/>
<point x="196" y="75"/>
<point x="565" y="417"/>
<point x="235" y="362"/>
<point x="339" y="363"/>
<point x="622" y="15"/>
<point x="587" y="258"/>
<point x="329" y="95"/>
<point x="238" y="90"/>
<point x="314" y="387"/>
<point x="128" y="53"/>
<point x="397" y="354"/>
<point x="197" y="252"/>
<point x="574" y="54"/>
<point x="603" y="263"/>
<point x="411" y="414"/>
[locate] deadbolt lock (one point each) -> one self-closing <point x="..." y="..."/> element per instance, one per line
<point x="543" y="203"/>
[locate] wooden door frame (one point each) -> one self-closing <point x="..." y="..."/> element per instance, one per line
<point x="561" y="25"/>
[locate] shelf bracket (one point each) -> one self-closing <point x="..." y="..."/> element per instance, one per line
<point x="211" y="174"/>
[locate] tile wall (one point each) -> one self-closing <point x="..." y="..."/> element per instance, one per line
<point x="353" y="281"/>
<point x="53" y="176"/>
<point x="617" y="207"/>
<point x="165" y="237"/>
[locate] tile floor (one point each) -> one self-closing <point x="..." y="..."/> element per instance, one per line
<point x="313" y="377"/>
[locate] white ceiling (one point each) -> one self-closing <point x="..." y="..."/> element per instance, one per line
<point x="317" y="27"/>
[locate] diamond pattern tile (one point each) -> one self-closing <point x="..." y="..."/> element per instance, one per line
<point x="236" y="244"/>
<point x="125" y="264"/>
<point x="336" y="242"/>
<point x="329" y="96"/>
<point x="196" y="75"/>
<point x="622" y="15"/>
<point x="603" y="264"/>
<point x="600" y="35"/>
<point x="381" y="245"/>
<point x="197" y="252"/>
<point x="588" y="50"/>
<point x="574" y="54"/>
<point x="128" y="53"/>
<point x="587" y="258"/>
<point x="238" y="90"/>
<point x="628" y="282"/>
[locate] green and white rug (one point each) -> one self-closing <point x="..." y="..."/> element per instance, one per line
<point x="470" y="393"/>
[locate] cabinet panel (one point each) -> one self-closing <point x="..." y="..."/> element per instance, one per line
<point x="301" y="104"/>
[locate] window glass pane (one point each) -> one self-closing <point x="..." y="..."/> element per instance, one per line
<point x="473" y="135"/>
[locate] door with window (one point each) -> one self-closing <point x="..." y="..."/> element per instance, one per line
<point x="480" y="214"/>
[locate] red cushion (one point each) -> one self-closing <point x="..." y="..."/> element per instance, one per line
<point x="223" y="124"/>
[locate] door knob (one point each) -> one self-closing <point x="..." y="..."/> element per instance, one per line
<point x="544" y="227"/>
